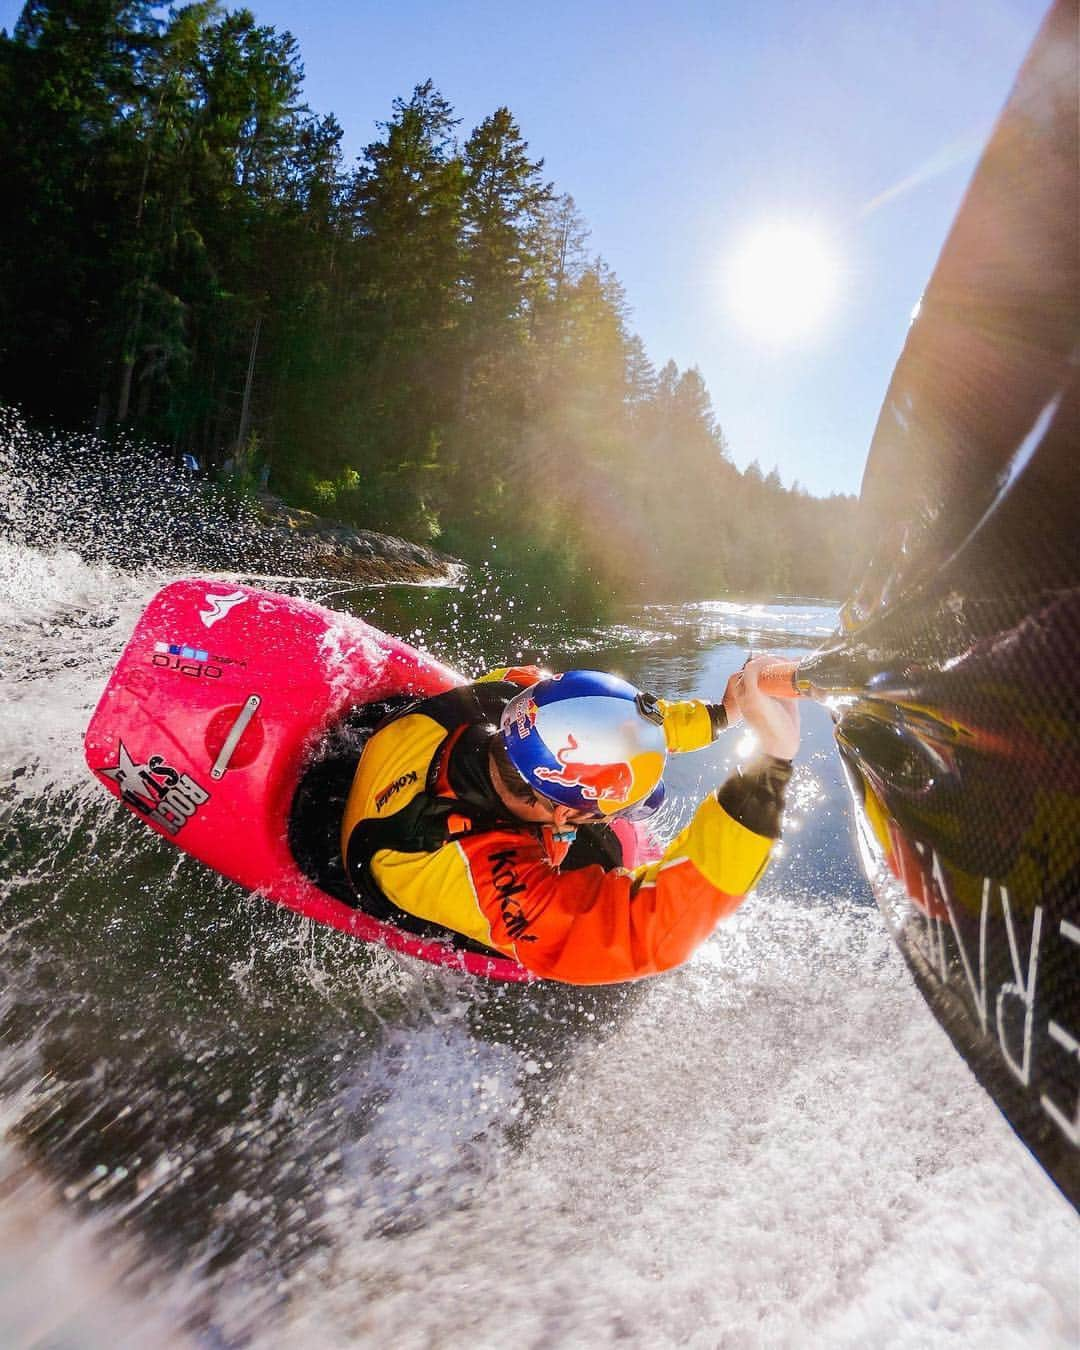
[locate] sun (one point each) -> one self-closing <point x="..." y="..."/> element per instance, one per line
<point x="782" y="281"/>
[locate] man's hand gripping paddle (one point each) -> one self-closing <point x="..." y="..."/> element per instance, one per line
<point x="764" y="694"/>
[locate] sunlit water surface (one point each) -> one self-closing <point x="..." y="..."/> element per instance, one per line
<point x="222" y="1126"/>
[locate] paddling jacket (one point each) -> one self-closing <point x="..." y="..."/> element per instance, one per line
<point x="429" y="845"/>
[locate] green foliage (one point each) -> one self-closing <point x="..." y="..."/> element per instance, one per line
<point x="423" y="345"/>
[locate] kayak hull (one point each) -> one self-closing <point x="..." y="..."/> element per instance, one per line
<point x="213" y="709"/>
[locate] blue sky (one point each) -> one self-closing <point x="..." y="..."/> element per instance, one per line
<point x="680" y="127"/>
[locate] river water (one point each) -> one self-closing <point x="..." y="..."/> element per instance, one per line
<point x="222" y="1126"/>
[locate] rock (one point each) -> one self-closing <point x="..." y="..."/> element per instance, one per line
<point x="360" y="555"/>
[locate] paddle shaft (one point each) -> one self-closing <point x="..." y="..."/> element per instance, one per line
<point x="780" y="680"/>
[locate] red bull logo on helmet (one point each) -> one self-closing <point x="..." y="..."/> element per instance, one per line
<point x="525" y="717"/>
<point x="598" y="782"/>
<point x="610" y="756"/>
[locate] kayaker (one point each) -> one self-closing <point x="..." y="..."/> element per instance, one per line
<point x="484" y="813"/>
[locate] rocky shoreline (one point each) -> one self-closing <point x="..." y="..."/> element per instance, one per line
<point x="363" y="556"/>
<point x="132" y="506"/>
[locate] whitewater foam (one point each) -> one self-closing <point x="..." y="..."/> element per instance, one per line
<point x="222" y="1125"/>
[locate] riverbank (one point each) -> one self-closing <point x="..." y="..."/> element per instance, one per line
<point x="364" y="556"/>
<point x="122" y="502"/>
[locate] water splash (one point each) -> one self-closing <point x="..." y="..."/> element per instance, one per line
<point x="223" y="1126"/>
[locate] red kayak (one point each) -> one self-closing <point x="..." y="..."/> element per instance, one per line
<point x="211" y="728"/>
<point x="214" y="710"/>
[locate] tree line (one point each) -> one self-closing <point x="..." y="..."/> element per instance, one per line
<point x="421" y="341"/>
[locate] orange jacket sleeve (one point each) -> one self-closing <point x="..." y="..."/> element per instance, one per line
<point x="590" y="925"/>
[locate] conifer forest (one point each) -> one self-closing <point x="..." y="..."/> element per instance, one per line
<point x="421" y="341"/>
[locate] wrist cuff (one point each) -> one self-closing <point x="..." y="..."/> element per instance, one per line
<point x="754" y="795"/>
<point x="718" y="718"/>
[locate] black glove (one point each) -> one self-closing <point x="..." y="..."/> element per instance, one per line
<point x="754" y="795"/>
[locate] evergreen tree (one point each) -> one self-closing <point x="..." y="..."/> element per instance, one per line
<point x="68" y="82"/>
<point x="406" y="201"/>
<point x="503" y="196"/>
<point x="502" y="200"/>
<point x="424" y="344"/>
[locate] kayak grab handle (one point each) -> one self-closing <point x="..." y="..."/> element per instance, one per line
<point x="232" y="740"/>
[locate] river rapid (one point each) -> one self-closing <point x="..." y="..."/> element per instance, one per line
<point x="223" y="1126"/>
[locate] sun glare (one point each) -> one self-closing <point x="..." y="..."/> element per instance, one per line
<point x="782" y="282"/>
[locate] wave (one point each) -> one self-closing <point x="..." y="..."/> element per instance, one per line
<point x="221" y="1125"/>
